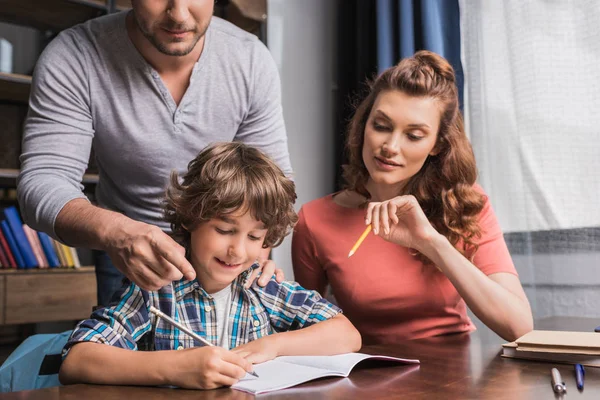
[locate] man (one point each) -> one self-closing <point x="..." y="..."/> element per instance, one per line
<point x="151" y="88"/>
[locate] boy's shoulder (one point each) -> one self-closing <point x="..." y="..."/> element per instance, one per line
<point x="289" y="293"/>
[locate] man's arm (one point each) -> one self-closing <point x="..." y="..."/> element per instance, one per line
<point x="57" y="139"/>
<point x="142" y="252"/>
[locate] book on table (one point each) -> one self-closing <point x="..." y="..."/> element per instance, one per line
<point x="287" y="371"/>
<point x="556" y="346"/>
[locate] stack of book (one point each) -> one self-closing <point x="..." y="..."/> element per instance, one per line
<point x="556" y="346"/>
<point x="22" y="247"/>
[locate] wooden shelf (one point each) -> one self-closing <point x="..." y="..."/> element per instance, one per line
<point x="8" y="177"/>
<point x="46" y="294"/>
<point x="37" y="271"/>
<point x="54" y="15"/>
<point x="15" y="87"/>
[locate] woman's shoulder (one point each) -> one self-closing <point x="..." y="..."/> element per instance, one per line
<point x="339" y="202"/>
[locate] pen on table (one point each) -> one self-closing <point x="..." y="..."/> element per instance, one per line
<point x="360" y="240"/>
<point x="579" y="374"/>
<point x="558" y="385"/>
<point x="179" y="326"/>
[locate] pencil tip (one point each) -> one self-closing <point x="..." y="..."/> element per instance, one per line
<point x="350" y="254"/>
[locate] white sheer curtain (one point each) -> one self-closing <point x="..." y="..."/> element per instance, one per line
<point x="532" y="73"/>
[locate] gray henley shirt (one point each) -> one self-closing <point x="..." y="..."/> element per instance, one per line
<point x="92" y="85"/>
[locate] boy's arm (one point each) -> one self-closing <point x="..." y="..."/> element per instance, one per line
<point x="194" y="368"/>
<point x="334" y="336"/>
<point x="307" y="325"/>
<point x="100" y="351"/>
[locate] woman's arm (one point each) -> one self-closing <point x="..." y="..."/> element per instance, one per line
<point x="334" y="336"/>
<point x="498" y="300"/>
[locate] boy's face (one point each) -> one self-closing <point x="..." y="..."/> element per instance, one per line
<point x="224" y="247"/>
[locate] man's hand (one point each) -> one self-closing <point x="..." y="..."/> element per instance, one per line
<point x="146" y="255"/>
<point x="207" y="368"/>
<point x="267" y="268"/>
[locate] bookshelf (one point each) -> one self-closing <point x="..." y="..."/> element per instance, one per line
<point x="29" y="296"/>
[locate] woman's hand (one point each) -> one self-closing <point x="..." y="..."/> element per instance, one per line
<point x="258" y="351"/>
<point x="401" y="220"/>
<point x="268" y="268"/>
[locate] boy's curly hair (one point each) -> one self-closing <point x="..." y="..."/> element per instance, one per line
<point x="229" y="177"/>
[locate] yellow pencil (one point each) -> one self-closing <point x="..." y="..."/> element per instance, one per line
<point x="360" y="240"/>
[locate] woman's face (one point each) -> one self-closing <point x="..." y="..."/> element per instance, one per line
<point x="400" y="134"/>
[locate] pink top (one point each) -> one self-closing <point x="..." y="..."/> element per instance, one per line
<point x="387" y="293"/>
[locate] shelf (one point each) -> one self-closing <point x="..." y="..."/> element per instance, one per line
<point x="47" y="294"/>
<point x="54" y="15"/>
<point x="9" y="177"/>
<point x="15" y="87"/>
<point x="37" y="271"/>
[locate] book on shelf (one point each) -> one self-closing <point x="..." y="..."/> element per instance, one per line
<point x="556" y="346"/>
<point x="68" y="256"/>
<point x="51" y="255"/>
<point x="3" y="258"/>
<point x="284" y="372"/>
<point x="75" y="257"/>
<point x="12" y="244"/>
<point x="4" y="244"/>
<point x="36" y="246"/>
<point x="16" y="226"/>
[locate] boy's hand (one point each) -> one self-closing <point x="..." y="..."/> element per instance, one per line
<point x="259" y="351"/>
<point x="267" y="267"/>
<point x="207" y="368"/>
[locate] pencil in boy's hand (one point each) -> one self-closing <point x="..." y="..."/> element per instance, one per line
<point x="360" y="240"/>
<point x="160" y="314"/>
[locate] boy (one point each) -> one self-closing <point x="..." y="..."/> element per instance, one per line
<point x="233" y="202"/>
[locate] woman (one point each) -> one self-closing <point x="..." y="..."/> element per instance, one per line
<point x="436" y="246"/>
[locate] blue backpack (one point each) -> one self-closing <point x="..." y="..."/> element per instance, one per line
<point x="34" y="364"/>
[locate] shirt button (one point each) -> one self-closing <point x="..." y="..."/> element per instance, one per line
<point x="207" y="308"/>
<point x="256" y="322"/>
<point x="180" y="347"/>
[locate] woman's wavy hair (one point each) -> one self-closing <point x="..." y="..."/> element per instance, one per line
<point x="229" y="177"/>
<point x="444" y="185"/>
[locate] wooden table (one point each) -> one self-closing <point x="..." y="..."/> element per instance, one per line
<point x="452" y="367"/>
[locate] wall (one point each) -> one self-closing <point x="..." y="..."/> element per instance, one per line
<point x="301" y="35"/>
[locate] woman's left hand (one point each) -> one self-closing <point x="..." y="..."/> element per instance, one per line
<point x="268" y="269"/>
<point x="401" y="220"/>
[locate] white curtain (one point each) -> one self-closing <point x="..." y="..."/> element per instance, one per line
<point x="532" y="106"/>
<point x="533" y="102"/>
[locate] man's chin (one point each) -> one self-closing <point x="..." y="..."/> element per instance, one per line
<point x="175" y="51"/>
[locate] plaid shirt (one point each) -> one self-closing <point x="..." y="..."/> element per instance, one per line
<point x="255" y="312"/>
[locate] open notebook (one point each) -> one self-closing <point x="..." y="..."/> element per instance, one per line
<point x="288" y="371"/>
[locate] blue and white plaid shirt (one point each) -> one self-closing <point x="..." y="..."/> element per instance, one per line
<point x="255" y="312"/>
